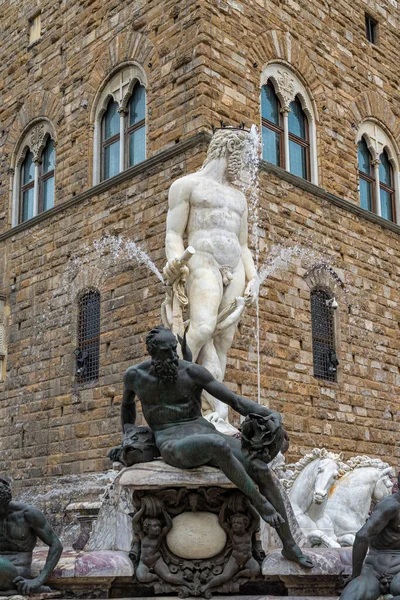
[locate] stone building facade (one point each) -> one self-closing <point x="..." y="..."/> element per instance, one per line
<point x="200" y="62"/>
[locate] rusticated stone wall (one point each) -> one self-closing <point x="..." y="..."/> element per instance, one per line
<point x="203" y="61"/>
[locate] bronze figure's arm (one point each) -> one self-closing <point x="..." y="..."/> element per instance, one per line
<point x="241" y="405"/>
<point x="42" y="528"/>
<point x="136" y="521"/>
<point x="381" y="516"/>
<point x="222" y="521"/>
<point x="168" y="524"/>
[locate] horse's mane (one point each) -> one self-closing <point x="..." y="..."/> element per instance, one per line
<point x="357" y="462"/>
<point x="309" y="458"/>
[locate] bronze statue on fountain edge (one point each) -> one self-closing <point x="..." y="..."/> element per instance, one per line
<point x="170" y="390"/>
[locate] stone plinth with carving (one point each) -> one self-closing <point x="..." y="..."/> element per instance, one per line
<point x="185" y="528"/>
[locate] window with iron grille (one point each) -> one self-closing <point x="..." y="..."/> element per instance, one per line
<point x="88" y="351"/>
<point x="323" y="335"/>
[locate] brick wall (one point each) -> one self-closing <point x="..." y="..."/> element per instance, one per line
<point x="203" y="63"/>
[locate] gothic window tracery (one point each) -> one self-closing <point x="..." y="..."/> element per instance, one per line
<point x="34" y="173"/>
<point x="288" y="122"/>
<point x="378" y="171"/>
<point x="120" y="123"/>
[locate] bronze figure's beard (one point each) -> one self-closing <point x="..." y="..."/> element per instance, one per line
<point x="166" y="370"/>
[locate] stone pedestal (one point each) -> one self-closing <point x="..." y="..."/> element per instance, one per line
<point x="325" y="579"/>
<point x="195" y="512"/>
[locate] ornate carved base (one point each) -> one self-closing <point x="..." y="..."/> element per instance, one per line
<point x="195" y="542"/>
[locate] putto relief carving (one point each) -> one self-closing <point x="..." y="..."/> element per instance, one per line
<point x="226" y="554"/>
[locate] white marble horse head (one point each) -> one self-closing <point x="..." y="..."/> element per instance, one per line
<point x="313" y="477"/>
<point x="328" y="471"/>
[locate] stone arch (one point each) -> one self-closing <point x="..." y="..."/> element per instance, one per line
<point x="371" y="105"/>
<point x="89" y="277"/>
<point x="324" y="276"/>
<point x="280" y="46"/>
<point x="128" y="46"/>
<point x="37" y="106"/>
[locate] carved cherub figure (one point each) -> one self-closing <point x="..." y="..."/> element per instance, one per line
<point x="151" y="533"/>
<point x="240" y="528"/>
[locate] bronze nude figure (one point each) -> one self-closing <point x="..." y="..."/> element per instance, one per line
<point x="20" y="526"/>
<point x="170" y="391"/>
<point x="376" y="554"/>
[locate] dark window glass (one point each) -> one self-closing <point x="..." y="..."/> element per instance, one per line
<point x="323" y="336"/>
<point x="88" y="351"/>
<point x="111" y="120"/>
<point x="387" y="192"/>
<point x="366" y="175"/>
<point x="299" y="146"/>
<point x="27" y="188"/>
<point x="364" y="157"/>
<point x="297" y="120"/>
<point x="366" y="194"/>
<point x="385" y="170"/>
<point x="270" y="104"/>
<point x="298" y="159"/>
<point x="46" y="200"/>
<point x="110" y="140"/>
<point x="136" y="130"/>
<point x="371" y="29"/>
<point x="272" y="130"/>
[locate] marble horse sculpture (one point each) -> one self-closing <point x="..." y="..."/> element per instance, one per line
<point x="376" y="555"/>
<point x="309" y="488"/>
<point x="20" y="526"/>
<point x="215" y="277"/>
<point x="367" y="480"/>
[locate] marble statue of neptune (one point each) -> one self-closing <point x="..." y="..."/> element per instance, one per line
<point x="208" y="211"/>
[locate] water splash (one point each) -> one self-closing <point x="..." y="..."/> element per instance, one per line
<point x="280" y="257"/>
<point x="250" y="187"/>
<point x="109" y="251"/>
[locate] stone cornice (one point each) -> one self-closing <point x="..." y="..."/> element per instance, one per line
<point x="200" y="138"/>
<point x="315" y="190"/>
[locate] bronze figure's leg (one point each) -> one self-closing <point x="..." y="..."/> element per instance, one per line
<point x="395" y="587"/>
<point x="214" y="449"/>
<point x="8" y="572"/>
<point x="365" y="587"/>
<point x="260" y="472"/>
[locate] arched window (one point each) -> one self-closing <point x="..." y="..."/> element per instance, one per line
<point x="323" y="334"/>
<point x="299" y="145"/>
<point x="366" y="174"/>
<point x="378" y="171"/>
<point x="34" y="173"/>
<point x="288" y="120"/>
<point x="119" y="123"/>
<point x="88" y="351"/>
<point x="386" y="187"/>
<point x="111" y="140"/>
<point x="272" y="126"/>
